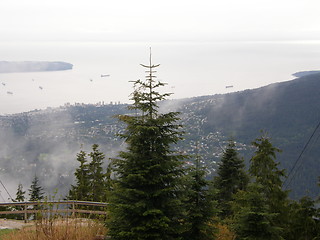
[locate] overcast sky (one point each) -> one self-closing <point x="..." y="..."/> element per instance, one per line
<point x="165" y="20"/>
<point x="194" y="40"/>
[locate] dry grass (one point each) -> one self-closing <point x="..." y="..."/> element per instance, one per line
<point x="60" y="229"/>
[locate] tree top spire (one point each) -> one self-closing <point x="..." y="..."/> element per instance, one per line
<point x="150" y="62"/>
<point x="145" y="95"/>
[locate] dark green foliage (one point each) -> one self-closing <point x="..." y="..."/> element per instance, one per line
<point x="146" y="202"/>
<point x="304" y="220"/>
<point x="231" y="177"/>
<point x="200" y="206"/>
<point x="263" y="166"/>
<point x="287" y="110"/>
<point x="20" y="194"/>
<point x="265" y="172"/>
<point x="20" y="197"/>
<point x="90" y="178"/>
<point x="36" y="191"/>
<point x="263" y="210"/>
<point x="109" y="182"/>
<point x="253" y="219"/>
<point x="97" y="177"/>
<point x="81" y="190"/>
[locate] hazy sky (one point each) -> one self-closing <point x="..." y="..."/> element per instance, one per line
<point x="165" y="20"/>
<point x="244" y="43"/>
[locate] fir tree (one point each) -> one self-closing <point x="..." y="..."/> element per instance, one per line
<point x="253" y="219"/>
<point x="200" y="206"/>
<point x="265" y="172"/>
<point x="146" y="202"/>
<point x="20" y="197"/>
<point x="109" y="182"/>
<point x="263" y="167"/>
<point x="20" y="194"/>
<point x="90" y="178"/>
<point x="97" y="183"/>
<point x="80" y="191"/>
<point x="231" y="177"/>
<point x="36" y="191"/>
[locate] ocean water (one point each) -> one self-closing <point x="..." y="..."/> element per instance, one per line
<point x="190" y="69"/>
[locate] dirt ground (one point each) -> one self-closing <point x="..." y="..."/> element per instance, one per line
<point x="12" y="224"/>
<point x="18" y="224"/>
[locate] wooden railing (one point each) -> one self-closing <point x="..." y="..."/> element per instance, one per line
<point x="53" y="207"/>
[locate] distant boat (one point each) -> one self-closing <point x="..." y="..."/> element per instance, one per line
<point x="10" y="93"/>
<point x="230" y="86"/>
<point x="3" y="84"/>
<point x="105" y="75"/>
<point x="40" y="87"/>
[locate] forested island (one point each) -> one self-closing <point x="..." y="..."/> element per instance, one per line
<point x="33" y="66"/>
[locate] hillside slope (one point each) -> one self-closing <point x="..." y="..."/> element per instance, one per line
<point x="289" y="112"/>
<point x="46" y="142"/>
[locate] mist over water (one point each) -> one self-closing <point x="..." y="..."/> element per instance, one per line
<point x="190" y="69"/>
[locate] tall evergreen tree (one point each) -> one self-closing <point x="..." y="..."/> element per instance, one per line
<point x="97" y="179"/>
<point x="20" y="194"/>
<point x="146" y="202"/>
<point x="90" y="178"/>
<point x="265" y="172"/>
<point x="264" y="168"/>
<point x="36" y="191"/>
<point x="231" y="177"/>
<point x="20" y="197"/>
<point x="253" y="219"/>
<point x="80" y="191"/>
<point x="109" y="182"/>
<point x="200" y="206"/>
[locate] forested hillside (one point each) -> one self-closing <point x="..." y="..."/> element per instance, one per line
<point x="288" y="111"/>
<point x="46" y="142"/>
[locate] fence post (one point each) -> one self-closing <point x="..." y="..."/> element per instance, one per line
<point x="25" y="213"/>
<point x="73" y="209"/>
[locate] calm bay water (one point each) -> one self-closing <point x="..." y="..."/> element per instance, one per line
<point x="190" y="69"/>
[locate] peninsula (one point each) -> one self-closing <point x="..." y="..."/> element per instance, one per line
<point x="33" y="66"/>
<point x="305" y="73"/>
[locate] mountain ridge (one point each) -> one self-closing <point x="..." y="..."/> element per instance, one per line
<point x="46" y="142"/>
